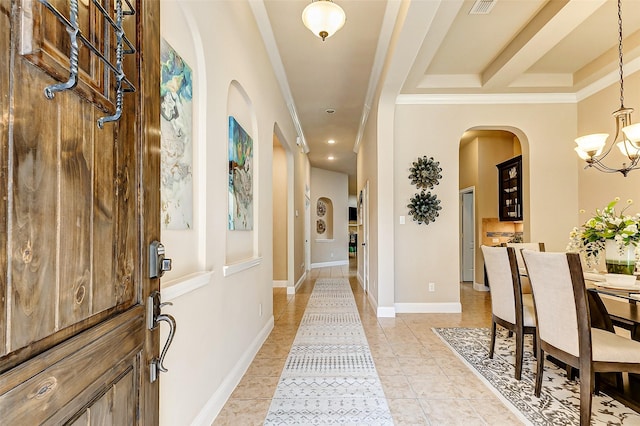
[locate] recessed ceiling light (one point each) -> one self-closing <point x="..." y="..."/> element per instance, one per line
<point x="331" y="141"/>
<point x="330" y="157"/>
<point x="329" y="110"/>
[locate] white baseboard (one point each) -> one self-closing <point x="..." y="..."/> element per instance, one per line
<point x="480" y="287"/>
<point x="294" y="290"/>
<point x="327" y="264"/>
<point x="428" y="308"/>
<point x="214" y="405"/>
<point x="381" y="312"/>
<point x="386" y="312"/>
<point x="280" y="283"/>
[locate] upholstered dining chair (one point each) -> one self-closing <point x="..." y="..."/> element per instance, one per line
<point x="509" y="307"/>
<point x="524" y="280"/>
<point x="563" y="325"/>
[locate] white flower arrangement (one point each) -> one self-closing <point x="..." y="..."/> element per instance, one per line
<point x="606" y="224"/>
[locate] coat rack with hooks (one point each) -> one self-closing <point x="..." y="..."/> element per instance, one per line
<point x="123" y="46"/>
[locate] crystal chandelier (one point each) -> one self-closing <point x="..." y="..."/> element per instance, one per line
<point x="591" y="148"/>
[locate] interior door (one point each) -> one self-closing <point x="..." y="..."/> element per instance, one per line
<point x="74" y="344"/>
<point x="468" y="236"/>
<point x="307" y="234"/>
<point x="364" y="207"/>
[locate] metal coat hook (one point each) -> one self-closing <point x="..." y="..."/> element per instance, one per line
<point x="122" y="84"/>
<point x="73" y="30"/>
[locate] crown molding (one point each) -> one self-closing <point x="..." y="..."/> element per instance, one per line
<point x="486" y="98"/>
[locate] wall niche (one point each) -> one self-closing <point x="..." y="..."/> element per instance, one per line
<point x="324" y="221"/>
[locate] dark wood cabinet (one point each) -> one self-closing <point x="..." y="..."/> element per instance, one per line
<point x="510" y="189"/>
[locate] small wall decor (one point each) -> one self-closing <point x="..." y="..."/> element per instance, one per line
<point x="321" y="208"/>
<point x="321" y="226"/>
<point x="425" y="173"/>
<point x="424" y="207"/>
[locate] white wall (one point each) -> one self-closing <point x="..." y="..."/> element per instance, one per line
<point x="431" y="253"/>
<point x="302" y="184"/>
<point x="376" y="151"/>
<point x="334" y="186"/>
<point x="222" y="324"/>
<point x="368" y="176"/>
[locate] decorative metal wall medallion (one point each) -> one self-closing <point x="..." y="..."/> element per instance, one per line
<point x="424" y="207"/>
<point x="425" y="173"/>
<point x="321" y="208"/>
<point x="321" y="226"/>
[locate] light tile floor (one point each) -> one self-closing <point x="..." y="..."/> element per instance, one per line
<point x="424" y="382"/>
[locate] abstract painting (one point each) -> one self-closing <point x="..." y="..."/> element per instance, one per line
<point x="240" y="178"/>
<point x="176" y="112"/>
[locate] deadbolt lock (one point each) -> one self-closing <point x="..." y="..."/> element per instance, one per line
<point x="158" y="264"/>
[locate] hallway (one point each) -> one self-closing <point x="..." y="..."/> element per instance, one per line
<point x="424" y="382"/>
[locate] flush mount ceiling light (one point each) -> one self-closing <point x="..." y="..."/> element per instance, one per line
<point x="323" y="18"/>
<point x="331" y="141"/>
<point x="591" y="148"/>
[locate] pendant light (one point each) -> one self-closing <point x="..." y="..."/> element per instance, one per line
<point x="323" y="18"/>
<point x="591" y="148"/>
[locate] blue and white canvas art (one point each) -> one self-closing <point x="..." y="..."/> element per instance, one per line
<point x="176" y="115"/>
<point x="240" y="178"/>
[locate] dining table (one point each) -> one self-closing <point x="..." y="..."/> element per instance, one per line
<point x="614" y="306"/>
<point x="619" y="302"/>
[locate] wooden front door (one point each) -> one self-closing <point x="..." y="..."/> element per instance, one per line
<point x="78" y="210"/>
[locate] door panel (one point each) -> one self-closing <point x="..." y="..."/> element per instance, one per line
<point x="113" y="408"/>
<point x="75" y="188"/>
<point x="74" y="346"/>
<point x="52" y="194"/>
<point x="73" y="375"/>
<point x="32" y="247"/>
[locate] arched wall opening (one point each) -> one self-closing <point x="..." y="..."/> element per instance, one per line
<point x="186" y="243"/>
<point x="243" y="196"/>
<point x="324" y="221"/>
<point x="280" y="231"/>
<point x="481" y="150"/>
<point x="292" y="213"/>
<point x="283" y="211"/>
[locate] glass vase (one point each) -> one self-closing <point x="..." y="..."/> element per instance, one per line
<point x="619" y="261"/>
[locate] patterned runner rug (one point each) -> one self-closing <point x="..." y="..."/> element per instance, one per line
<point x="329" y="376"/>
<point x="559" y="402"/>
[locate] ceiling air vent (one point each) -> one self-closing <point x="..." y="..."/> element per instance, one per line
<point x="482" y="7"/>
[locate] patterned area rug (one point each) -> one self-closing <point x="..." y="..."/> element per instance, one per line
<point x="329" y="376"/>
<point x="559" y="402"/>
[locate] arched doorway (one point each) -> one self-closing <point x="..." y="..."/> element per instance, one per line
<point x="481" y="150"/>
